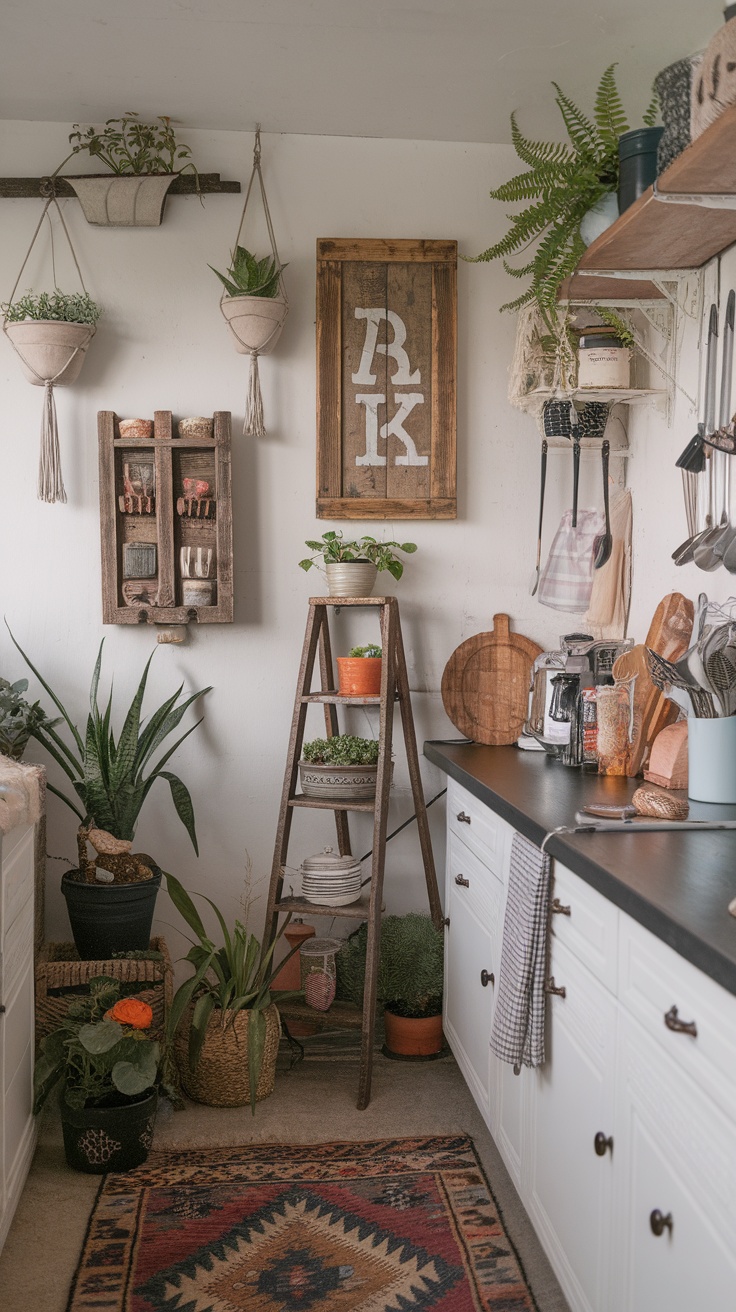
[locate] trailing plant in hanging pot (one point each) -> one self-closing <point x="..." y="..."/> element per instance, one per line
<point x="254" y="303"/>
<point x="142" y="160"/>
<point x="50" y="333"/>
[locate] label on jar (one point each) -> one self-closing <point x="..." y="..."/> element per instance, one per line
<point x="603" y="366"/>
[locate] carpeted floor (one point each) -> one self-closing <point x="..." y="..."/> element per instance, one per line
<point x="313" y="1103"/>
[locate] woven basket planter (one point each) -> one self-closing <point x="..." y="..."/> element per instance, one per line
<point x="255" y="322"/>
<point x="123" y="202"/>
<point x="221" y="1077"/>
<point x="50" y="349"/>
<point x="61" y="978"/>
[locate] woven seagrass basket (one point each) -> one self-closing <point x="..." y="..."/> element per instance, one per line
<point x="61" y="977"/>
<point x="221" y="1075"/>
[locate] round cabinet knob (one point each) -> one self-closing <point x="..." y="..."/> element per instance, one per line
<point x="603" y="1144"/>
<point x="487" y="977"/>
<point x="659" y="1223"/>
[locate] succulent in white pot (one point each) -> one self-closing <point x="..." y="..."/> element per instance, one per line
<point x="254" y="306"/>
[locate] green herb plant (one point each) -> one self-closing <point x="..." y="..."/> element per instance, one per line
<point x="410" y="970"/>
<point x="102" y="1062"/>
<point x="113" y="777"/>
<point x="57" y="305"/>
<point x="371" y="651"/>
<point x="332" y="550"/>
<point x="19" y="718"/>
<point x="125" y="145"/>
<point x="343" y="749"/>
<point x="228" y="979"/>
<point x="248" y="276"/>
<point x="561" y="182"/>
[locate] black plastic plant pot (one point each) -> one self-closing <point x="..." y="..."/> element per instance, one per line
<point x="108" y="918"/>
<point x="637" y="153"/>
<point x="100" y="1139"/>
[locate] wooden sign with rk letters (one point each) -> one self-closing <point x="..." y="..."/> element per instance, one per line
<point x="386" y="391"/>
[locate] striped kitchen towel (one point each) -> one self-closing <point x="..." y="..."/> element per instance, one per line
<point x="517" y="1032"/>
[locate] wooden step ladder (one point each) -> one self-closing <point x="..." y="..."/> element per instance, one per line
<point x="394" y="687"/>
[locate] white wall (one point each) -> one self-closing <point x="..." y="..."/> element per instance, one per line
<point x="163" y="344"/>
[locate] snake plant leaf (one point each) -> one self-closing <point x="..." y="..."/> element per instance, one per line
<point x="230" y="287"/>
<point x="128" y="741"/>
<point x="182" y="800"/>
<point x="203" y="1008"/>
<point x="184" y="905"/>
<point x="72" y="727"/>
<point x="256" y="1044"/>
<point x="171" y="721"/>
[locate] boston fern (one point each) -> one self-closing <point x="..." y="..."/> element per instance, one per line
<point x="112" y="778"/>
<point x="563" y="181"/>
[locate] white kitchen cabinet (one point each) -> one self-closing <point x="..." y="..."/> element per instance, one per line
<point x="17" y="1130"/>
<point x="571" y="1119"/>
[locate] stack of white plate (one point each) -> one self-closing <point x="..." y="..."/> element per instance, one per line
<point x="330" y="879"/>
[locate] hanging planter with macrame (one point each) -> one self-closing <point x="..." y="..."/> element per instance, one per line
<point x="50" y="333"/>
<point x="254" y="302"/>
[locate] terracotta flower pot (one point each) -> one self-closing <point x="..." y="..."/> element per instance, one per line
<point x="135" y="201"/>
<point x="407" y="1036"/>
<point x="255" y="322"/>
<point x="50" y="350"/>
<point x="359" y="676"/>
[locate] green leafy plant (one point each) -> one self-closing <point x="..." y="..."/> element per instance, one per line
<point x="101" y="1050"/>
<point x="248" y="276"/>
<point x="19" y="718"/>
<point x="343" y="749"/>
<point x="332" y="550"/>
<point x="125" y="145"/>
<point x="410" y="970"/>
<point x="562" y="181"/>
<point x="371" y="651"/>
<point x="62" y="306"/>
<point x="228" y="979"/>
<point x="112" y="778"/>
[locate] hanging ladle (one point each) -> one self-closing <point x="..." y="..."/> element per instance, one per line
<point x="683" y="555"/>
<point x="709" y="548"/>
<point x="603" y="545"/>
<point x="542" y="480"/>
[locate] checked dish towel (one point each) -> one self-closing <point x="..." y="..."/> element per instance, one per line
<point x="517" y="1033"/>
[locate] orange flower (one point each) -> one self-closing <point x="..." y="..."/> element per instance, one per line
<point x="131" y="1011"/>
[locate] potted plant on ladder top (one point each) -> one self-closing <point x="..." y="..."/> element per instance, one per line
<point x="254" y="302"/>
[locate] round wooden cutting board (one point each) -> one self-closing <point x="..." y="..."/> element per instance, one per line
<point x="485" y="684"/>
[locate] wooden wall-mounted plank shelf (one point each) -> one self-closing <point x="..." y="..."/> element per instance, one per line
<point x="158" y="498"/>
<point x="652" y="235"/>
<point x="185" y="184"/>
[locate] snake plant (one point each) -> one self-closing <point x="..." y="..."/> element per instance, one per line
<point x="113" y="777"/>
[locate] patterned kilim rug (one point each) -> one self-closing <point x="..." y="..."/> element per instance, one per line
<point x="400" y="1225"/>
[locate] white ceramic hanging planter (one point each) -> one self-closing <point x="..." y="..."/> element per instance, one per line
<point x="599" y="217"/>
<point x="255" y="322"/>
<point x="135" y="201"/>
<point x="50" y="350"/>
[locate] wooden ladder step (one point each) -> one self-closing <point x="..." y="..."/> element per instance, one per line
<point x="341" y="1015"/>
<point x="329" y="804"/>
<point x="300" y="906"/>
<point x="340" y="699"/>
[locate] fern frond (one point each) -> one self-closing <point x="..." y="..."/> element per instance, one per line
<point x="520" y="272"/>
<point x="652" y="110"/>
<point x="524" y="227"/>
<point x="581" y="131"/>
<point x="534" y="153"/>
<point x="520" y="301"/>
<point x="609" y="113"/>
<point x="524" y="186"/>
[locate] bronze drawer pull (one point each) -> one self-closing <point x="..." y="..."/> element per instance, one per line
<point x="558" y="909"/>
<point x="673" y="1022"/>
<point x="487" y="977"/>
<point x="602" y="1144"/>
<point x="660" y="1223"/>
<point x="551" y="987"/>
<point x="463" y="818"/>
<point x="462" y="882"/>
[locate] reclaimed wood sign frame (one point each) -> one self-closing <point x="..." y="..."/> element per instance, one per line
<point x="386" y="379"/>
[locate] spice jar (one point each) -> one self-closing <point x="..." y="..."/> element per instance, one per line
<point x="603" y="361"/>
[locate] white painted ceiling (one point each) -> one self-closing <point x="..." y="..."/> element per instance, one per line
<point x="446" y="70"/>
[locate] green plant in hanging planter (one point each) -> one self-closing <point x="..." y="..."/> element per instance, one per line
<point x="57" y="306"/>
<point x="248" y="276"/>
<point x="127" y="146"/>
<point x="562" y="182"/>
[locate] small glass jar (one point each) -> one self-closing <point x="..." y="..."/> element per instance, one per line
<point x="319" y="972"/>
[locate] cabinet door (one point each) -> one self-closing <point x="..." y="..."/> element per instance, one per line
<point x="469" y="961"/>
<point x="570" y="1186"/>
<point x="676" y="1173"/>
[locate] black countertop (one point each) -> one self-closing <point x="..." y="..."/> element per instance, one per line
<point x="678" y="885"/>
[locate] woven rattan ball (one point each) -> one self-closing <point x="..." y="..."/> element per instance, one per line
<point x="659" y="804"/>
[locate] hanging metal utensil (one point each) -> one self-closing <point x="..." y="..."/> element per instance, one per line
<point x="603" y="545"/>
<point x="575" y="479"/>
<point x="542" y="480"/>
<point x="683" y="555"/>
<point x="708" y="550"/>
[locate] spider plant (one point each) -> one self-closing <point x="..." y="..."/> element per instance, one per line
<point x="235" y="977"/>
<point x="113" y="777"/>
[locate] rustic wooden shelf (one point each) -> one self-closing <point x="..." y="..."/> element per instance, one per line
<point x="652" y="235"/>
<point x="330" y="804"/>
<point x="341" y="1015"/>
<point x="301" y="906"/>
<point x="625" y="395"/>
<point x="210" y="184"/>
<point x="340" y="699"/>
<point x="155" y="524"/>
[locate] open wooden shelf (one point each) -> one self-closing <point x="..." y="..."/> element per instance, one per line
<point x="301" y="906"/>
<point x="652" y="235"/>
<point x="341" y="1015"/>
<point x="340" y="699"/>
<point x="330" y="804"/>
<point x="185" y="184"/>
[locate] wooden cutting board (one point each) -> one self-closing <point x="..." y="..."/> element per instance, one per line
<point x="669" y="635"/>
<point x="485" y="684"/>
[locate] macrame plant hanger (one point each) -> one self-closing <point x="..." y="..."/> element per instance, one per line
<point x="257" y="335"/>
<point x="50" y="480"/>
